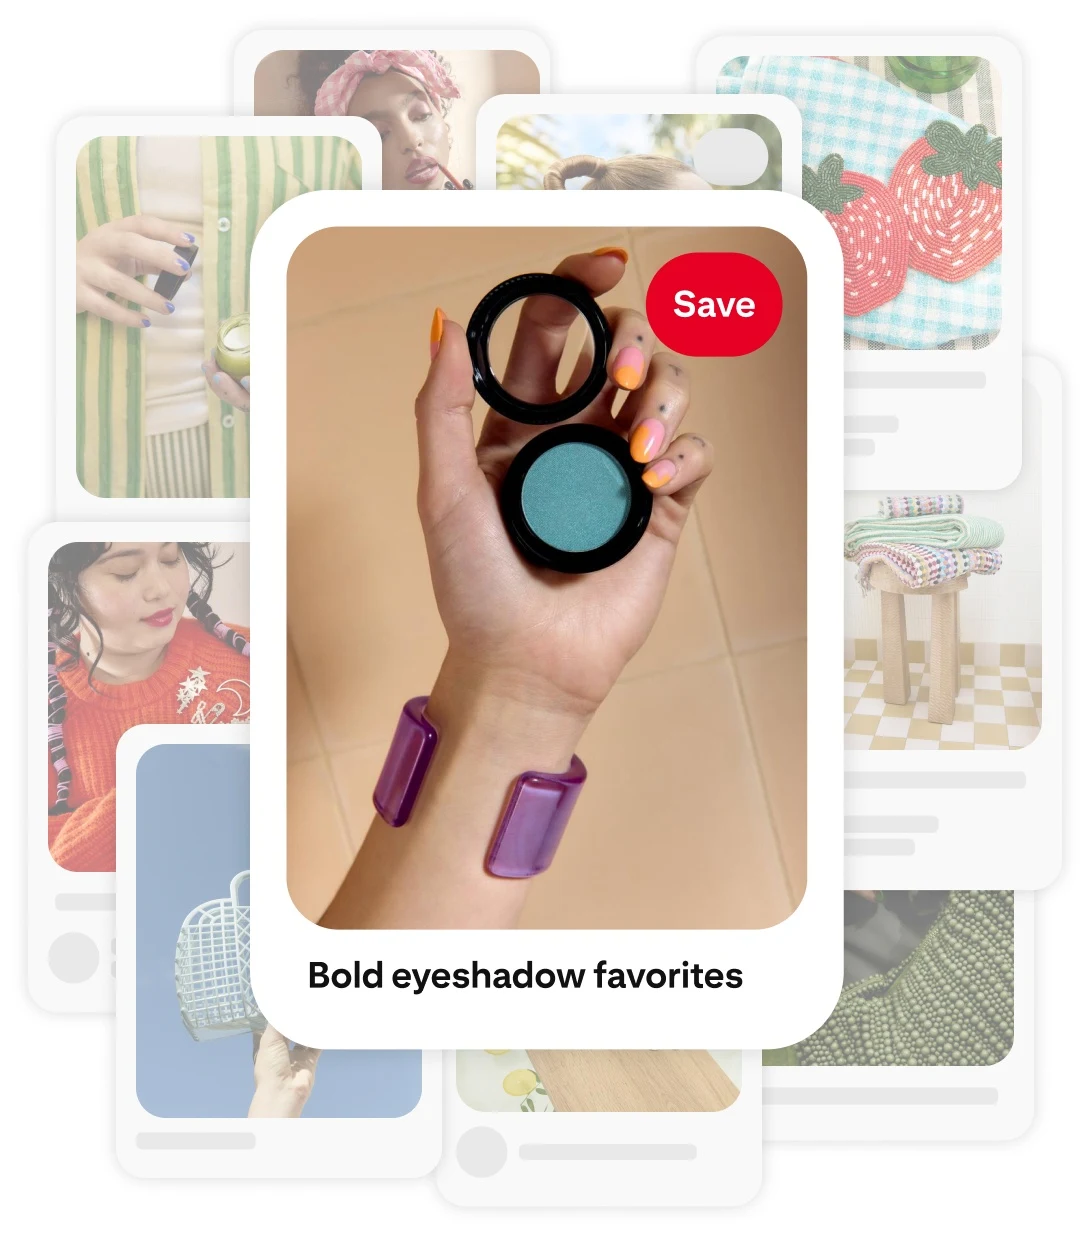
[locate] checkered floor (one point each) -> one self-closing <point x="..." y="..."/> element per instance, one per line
<point x="998" y="707"/>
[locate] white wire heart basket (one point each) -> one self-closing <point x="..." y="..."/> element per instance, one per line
<point x="212" y="968"/>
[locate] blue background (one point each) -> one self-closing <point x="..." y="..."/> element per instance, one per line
<point x="193" y="828"/>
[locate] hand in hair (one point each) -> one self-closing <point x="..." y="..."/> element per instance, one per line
<point x="237" y="394"/>
<point x="624" y="172"/>
<point x="109" y="258"/>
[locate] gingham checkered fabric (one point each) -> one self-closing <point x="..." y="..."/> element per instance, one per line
<point x="869" y="122"/>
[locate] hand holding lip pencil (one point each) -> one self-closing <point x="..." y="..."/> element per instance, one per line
<point x="111" y="256"/>
<point x="532" y="652"/>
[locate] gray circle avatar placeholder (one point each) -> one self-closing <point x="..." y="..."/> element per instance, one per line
<point x="73" y="958"/>
<point x="481" y="1152"/>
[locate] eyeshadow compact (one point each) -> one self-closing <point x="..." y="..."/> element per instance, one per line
<point x="572" y="499"/>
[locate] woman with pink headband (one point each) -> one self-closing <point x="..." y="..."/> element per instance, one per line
<point x="405" y="94"/>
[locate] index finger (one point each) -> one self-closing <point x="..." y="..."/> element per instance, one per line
<point x="156" y="229"/>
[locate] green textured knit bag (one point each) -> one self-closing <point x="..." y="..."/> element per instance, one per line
<point x="949" y="1003"/>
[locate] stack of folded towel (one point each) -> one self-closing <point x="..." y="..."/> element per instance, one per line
<point x="925" y="540"/>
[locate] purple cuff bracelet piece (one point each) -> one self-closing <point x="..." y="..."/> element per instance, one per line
<point x="407" y="762"/>
<point x="534" y="818"/>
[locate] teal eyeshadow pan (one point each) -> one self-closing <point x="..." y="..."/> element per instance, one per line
<point x="573" y="499"/>
<point x="576" y="496"/>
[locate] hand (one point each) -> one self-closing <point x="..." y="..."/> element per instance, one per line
<point x="110" y="256"/>
<point x="237" y="394"/>
<point x="553" y="641"/>
<point x="283" y="1076"/>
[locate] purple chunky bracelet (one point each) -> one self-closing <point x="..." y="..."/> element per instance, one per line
<point x="533" y="820"/>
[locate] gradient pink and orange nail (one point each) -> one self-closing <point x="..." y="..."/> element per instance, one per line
<point x="659" y="474"/>
<point x="647" y="439"/>
<point x="629" y="368"/>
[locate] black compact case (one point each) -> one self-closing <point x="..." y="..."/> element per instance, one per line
<point x="573" y="499"/>
<point x="480" y="327"/>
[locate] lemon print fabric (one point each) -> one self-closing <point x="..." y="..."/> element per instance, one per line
<point x="500" y="1081"/>
<point x="520" y="1082"/>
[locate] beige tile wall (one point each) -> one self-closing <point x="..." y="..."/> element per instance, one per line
<point x="693" y="814"/>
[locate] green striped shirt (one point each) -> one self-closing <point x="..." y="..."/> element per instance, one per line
<point x="244" y="180"/>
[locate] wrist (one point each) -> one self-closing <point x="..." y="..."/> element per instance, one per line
<point x="509" y="719"/>
<point x="276" y="1102"/>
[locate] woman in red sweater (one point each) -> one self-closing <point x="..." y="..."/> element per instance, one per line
<point x="121" y="654"/>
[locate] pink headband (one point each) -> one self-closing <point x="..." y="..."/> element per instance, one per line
<point x="336" y="91"/>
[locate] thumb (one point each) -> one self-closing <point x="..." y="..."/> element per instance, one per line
<point x="448" y="460"/>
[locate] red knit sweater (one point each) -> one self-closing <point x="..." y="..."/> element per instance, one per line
<point x="82" y="840"/>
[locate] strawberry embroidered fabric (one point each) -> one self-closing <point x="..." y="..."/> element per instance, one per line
<point x="943" y="173"/>
<point x="948" y="184"/>
<point x="862" y="212"/>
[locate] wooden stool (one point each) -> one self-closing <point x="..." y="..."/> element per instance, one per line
<point x="943" y="641"/>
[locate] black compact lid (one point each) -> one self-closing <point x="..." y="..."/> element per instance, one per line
<point x="480" y="327"/>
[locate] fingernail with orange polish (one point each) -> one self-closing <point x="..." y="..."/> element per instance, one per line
<point x="614" y="251"/>
<point x="629" y="365"/>
<point x="436" y="334"/>
<point x="646" y="440"/>
<point x="659" y="474"/>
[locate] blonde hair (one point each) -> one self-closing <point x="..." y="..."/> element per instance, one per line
<point x="625" y="172"/>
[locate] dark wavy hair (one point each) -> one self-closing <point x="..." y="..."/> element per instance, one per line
<point x="67" y="612"/>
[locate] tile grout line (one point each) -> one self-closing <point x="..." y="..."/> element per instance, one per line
<point x="937" y="739"/>
<point x="362" y="307"/>
<point x="343" y="819"/>
<point x="748" y="722"/>
<point x="777" y="644"/>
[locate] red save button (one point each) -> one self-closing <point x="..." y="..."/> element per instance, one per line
<point x="713" y="304"/>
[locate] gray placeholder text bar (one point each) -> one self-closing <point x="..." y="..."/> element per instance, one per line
<point x="608" y="1152"/>
<point x="871" y="425"/>
<point x="859" y="447"/>
<point x="890" y="379"/>
<point x="879" y="1096"/>
<point x="879" y="846"/>
<point x="927" y="780"/>
<point x="86" y="902"/>
<point x="892" y="825"/>
<point x="195" y="1141"/>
